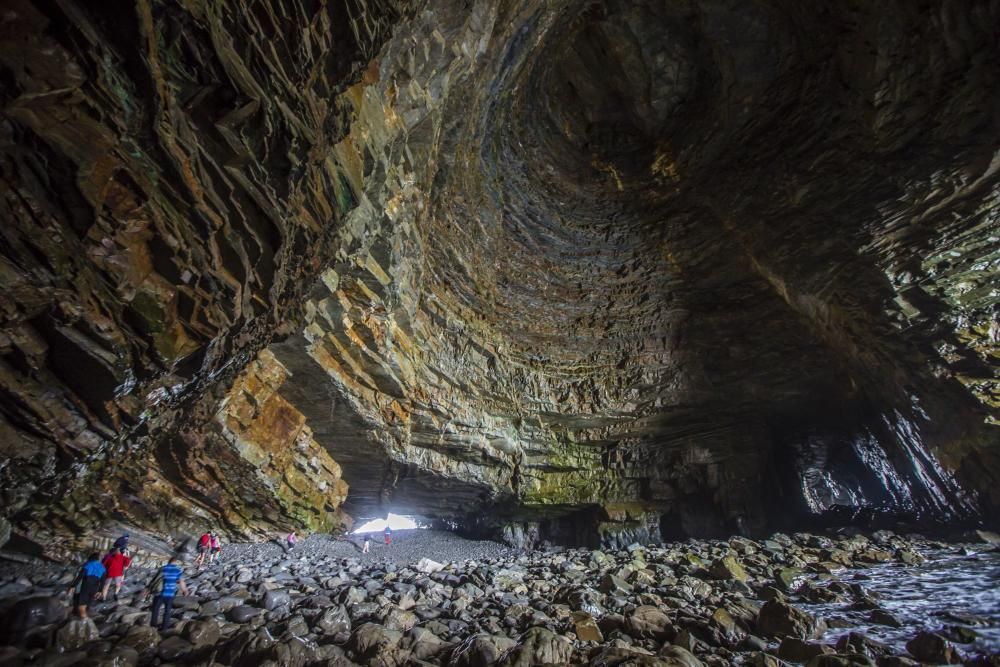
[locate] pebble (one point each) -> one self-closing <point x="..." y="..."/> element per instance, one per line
<point x="435" y="599"/>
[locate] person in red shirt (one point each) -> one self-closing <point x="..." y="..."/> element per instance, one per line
<point x="115" y="563"/>
<point x="204" y="546"/>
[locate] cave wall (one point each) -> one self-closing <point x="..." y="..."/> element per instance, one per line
<point x="580" y="271"/>
<point x="727" y="304"/>
<point x="171" y="186"/>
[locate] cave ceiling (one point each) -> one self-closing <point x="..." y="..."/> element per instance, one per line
<point x="647" y="266"/>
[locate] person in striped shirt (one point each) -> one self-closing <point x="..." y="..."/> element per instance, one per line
<point x="164" y="587"/>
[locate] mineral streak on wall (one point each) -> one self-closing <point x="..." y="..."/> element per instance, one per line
<point x="583" y="271"/>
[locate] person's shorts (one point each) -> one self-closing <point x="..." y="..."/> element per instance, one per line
<point x="117" y="580"/>
<point x="202" y="550"/>
<point x="216" y="550"/>
<point x="88" y="589"/>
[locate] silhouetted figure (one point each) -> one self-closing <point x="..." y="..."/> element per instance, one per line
<point x="388" y="535"/>
<point x="368" y="544"/>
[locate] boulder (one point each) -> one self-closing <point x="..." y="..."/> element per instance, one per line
<point x="275" y="599"/>
<point x="30" y="613"/>
<point x="76" y="633"/>
<point x="141" y="638"/>
<point x="676" y="656"/>
<point x="649" y="622"/>
<point x="538" y="647"/>
<point x="728" y="568"/>
<point x="794" y="649"/>
<point x="882" y="617"/>
<point x="932" y="648"/>
<point x="480" y="650"/>
<point x="428" y="566"/>
<point x="243" y="614"/>
<point x="778" y="619"/>
<point x="369" y="640"/>
<point x="334" y="620"/>
<point x="174" y="647"/>
<point x="586" y="627"/>
<point x="202" y="633"/>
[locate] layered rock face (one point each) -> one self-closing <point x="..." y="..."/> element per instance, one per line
<point x="579" y="271"/>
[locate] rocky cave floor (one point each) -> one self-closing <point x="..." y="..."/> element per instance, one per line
<point x="433" y="598"/>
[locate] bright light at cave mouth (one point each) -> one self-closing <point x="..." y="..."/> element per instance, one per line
<point x="395" y="521"/>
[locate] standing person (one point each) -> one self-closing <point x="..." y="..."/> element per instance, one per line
<point x="291" y="540"/>
<point x="87" y="584"/>
<point x="115" y="564"/>
<point x="368" y="543"/>
<point x="204" y="546"/>
<point x="164" y="588"/>
<point x="388" y="535"/>
<point x="121" y="543"/>
<point x="216" y="544"/>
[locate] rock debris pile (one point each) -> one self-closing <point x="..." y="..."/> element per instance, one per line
<point x="678" y="605"/>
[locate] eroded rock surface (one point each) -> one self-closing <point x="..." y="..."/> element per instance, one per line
<point x="586" y="272"/>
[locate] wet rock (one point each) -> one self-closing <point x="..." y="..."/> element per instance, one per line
<point x="858" y="644"/>
<point x="883" y="617"/>
<point x="987" y="537"/>
<point x="933" y="648"/>
<point x="788" y="578"/>
<point x="778" y="619"/>
<point x="275" y="599"/>
<point x="334" y="620"/>
<point x="76" y="633"/>
<point x="794" y="649"/>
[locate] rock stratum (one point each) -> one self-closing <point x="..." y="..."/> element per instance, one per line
<point x="582" y="272"/>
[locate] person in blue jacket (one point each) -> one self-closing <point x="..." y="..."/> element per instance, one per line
<point x="87" y="584"/>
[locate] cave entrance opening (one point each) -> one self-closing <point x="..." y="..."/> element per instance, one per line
<point x="394" y="521"/>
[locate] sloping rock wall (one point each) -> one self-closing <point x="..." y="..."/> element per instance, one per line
<point x="170" y="189"/>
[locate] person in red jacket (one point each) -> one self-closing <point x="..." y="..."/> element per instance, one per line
<point x="115" y="563"/>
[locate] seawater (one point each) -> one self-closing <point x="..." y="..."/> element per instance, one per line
<point x="955" y="587"/>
